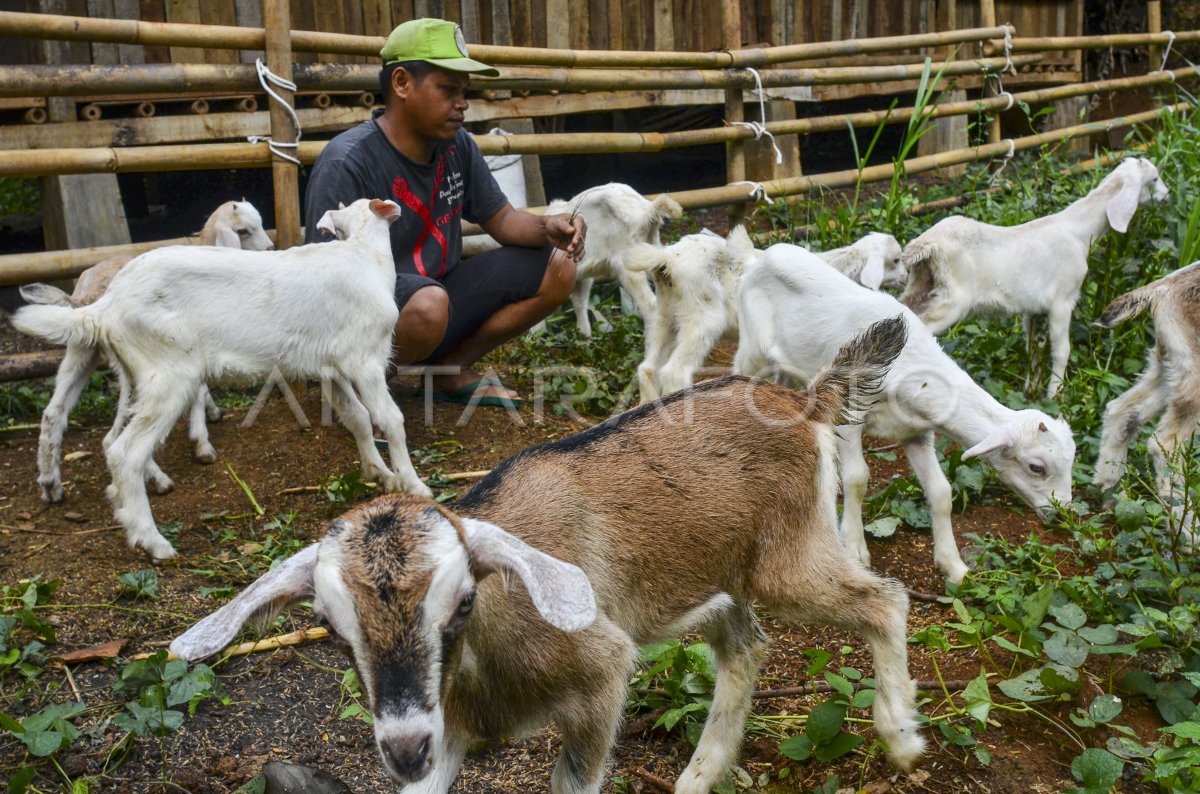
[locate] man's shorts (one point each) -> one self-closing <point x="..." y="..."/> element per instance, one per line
<point x="480" y="286"/>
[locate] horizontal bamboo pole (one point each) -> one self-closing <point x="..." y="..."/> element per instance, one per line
<point x="1044" y="43"/>
<point x="26" y="366"/>
<point x="120" y="31"/>
<point x="201" y="156"/>
<point x="55" y="80"/>
<point x="520" y="78"/>
<point x="729" y="194"/>
<point x="24" y="268"/>
<point x="51" y="265"/>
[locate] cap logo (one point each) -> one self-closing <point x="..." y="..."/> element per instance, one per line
<point x="460" y="40"/>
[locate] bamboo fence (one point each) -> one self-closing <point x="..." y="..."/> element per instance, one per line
<point x="49" y="265"/>
<point x="527" y="69"/>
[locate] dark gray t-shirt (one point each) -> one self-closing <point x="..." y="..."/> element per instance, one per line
<point x="427" y="238"/>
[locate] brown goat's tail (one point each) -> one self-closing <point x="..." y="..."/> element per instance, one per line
<point x="856" y="374"/>
<point x="1129" y="305"/>
<point x="1134" y="302"/>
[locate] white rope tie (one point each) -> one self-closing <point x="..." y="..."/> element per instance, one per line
<point x="1009" y="106"/>
<point x="757" y="191"/>
<point x="759" y="128"/>
<point x="1170" y="34"/>
<point x="265" y="75"/>
<point x="1008" y="156"/>
<point x="1008" y="61"/>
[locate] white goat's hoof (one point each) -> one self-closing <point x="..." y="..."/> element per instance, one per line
<point x="213" y="412"/>
<point x="158" y="548"/>
<point x="419" y="488"/>
<point x="955" y="571"/>
<point x="161" y="483"/>
<point x="204" y="453"/>
<point x="52" y="492"/>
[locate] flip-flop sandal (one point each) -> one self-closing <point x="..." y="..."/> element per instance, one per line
<point x="465" y="395"/>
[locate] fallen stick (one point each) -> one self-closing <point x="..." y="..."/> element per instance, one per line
<point x="654" y="780"/>
<point x="267" y="644"/>
<point x="37" y="531"/>
<point x="823" y="687"/>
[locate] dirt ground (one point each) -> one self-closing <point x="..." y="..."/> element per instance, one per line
<point x="286" y="704"/>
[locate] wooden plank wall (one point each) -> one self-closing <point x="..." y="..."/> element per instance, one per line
<point x="579" y="24"/>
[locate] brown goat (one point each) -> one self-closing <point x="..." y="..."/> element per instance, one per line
<point x="1169" y="387"/>
<point x="681" y="513"/>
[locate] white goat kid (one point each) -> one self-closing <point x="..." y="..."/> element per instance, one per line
<point x="448" y="654"/>
<point x="696" y="282"/>
<point x="618" y="217"/>
<point x="234" y="224"/>
<point x="960" y="266"/>
<point x="177" y="317"/>
<point x="1169" y="387"/>
<point x="795" y="312"/>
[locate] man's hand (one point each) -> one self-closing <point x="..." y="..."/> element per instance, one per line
<point x="567" y="234"/>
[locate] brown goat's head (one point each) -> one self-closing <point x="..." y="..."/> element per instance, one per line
<point x="394" y="580"/>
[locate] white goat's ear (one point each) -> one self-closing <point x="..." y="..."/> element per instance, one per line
<point x="271" y="593"/>
<point x="1121" y="207"/>
<point x="560" y="591"/>
<point x="388" y="210"/>
<point x="1000" y="438"/>
<point x="326" y="224"/>
<point x="45" y="294"/>
<point x="872" y="273"/>
<point x="226" y="237"/>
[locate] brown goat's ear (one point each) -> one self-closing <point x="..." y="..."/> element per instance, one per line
<point x="560" y="591"/>
<point x="271" y="593"/>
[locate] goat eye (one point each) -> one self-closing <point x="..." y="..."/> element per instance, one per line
<point x="243" y="232"/>
<point x="1037" y="469"/>
<point x="466" y="605"/>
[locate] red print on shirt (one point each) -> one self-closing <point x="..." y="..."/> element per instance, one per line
<point x="402" y="192"/>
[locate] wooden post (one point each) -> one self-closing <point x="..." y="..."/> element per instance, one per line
<point x="987" y="18"/>
<point x="735" y="110"/>
<point x="277" y="20"/>
<point x="83" y="210"/>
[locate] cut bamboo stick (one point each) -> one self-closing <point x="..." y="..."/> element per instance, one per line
<point x="268" y="644"/>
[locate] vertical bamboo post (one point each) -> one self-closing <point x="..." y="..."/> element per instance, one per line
<point x="277" y="19"/>
<point x="735" y="110"/>
<point x="987" y="19"/>
<point x="1154" y="25"/>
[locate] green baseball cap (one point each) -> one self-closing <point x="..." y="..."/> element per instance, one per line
<point x="436" y="41"/>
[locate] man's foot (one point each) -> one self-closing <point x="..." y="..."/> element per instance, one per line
<point x="468" y="388"/>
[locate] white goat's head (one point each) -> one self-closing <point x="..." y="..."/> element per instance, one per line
<point x="347" y="222"/>
<point x="395" y="582"/>
<point x="1033" y="453"/>
<point x="1137" y="182"/>
<point x="882" y="266"/>
<point x="238" y="224"/>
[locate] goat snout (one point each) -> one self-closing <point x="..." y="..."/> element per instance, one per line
<point x="408" y="758"/>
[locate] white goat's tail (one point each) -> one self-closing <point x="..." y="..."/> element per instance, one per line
<point x="644" y="257"/>
<point x="62" y="325"/>
<point x="666" y="207"/>
<point x="45" y="294"/>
